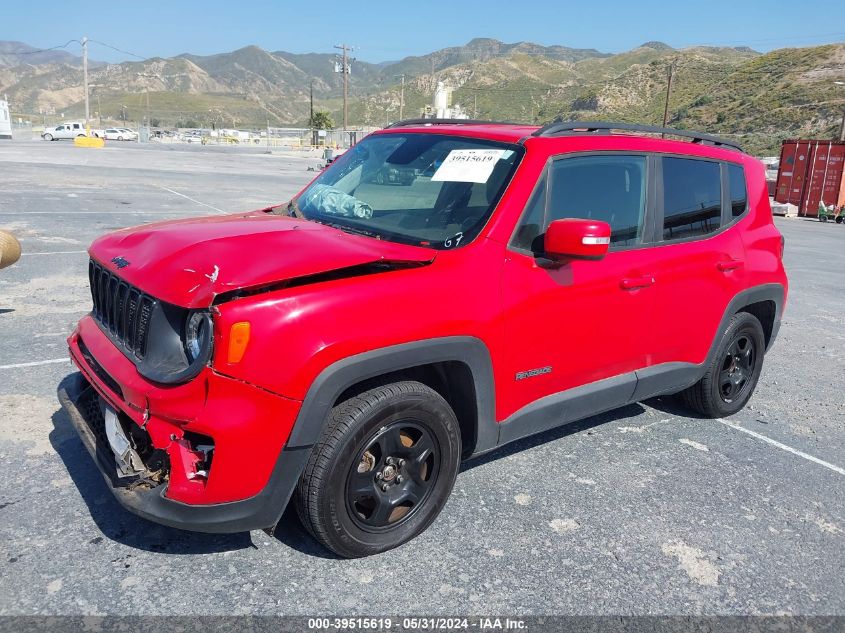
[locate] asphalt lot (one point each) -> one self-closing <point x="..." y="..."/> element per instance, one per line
<point x="639" y="511"/>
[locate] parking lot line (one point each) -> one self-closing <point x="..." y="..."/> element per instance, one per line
<point x="93" y="212"/>
<point x="55" y="253"/>
<point x="789" y="449"/>
<point x="52" y="361"/>
<point x="191" y="199"/>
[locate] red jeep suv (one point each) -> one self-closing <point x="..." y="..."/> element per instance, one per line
<point x="350" y="347"/>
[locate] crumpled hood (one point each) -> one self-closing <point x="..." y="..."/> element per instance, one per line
<point x="189" y="262"/>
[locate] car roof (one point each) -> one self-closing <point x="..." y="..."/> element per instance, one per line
<point x="491" y="130"/>
<point x="654" y="137"/>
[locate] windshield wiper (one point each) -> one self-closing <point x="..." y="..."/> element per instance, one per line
<point x="350" y="229"/>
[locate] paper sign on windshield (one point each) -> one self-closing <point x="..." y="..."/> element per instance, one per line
<point x="468" y="165"/>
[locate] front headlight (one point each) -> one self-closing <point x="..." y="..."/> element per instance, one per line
<point x="197" y="336"/>
<point x="180" y="344"/>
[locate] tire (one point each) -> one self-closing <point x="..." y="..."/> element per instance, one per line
<point x="47" y="137"/>
<point x="119" y="138"/>
<point x="732" y="375"/>
<point x="402" y="436"/>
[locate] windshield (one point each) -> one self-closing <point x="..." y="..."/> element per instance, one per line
<point x="424" y="189"/>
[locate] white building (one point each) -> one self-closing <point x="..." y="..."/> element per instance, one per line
<point x="5" y="120"/>
<point x="442" y="108"/>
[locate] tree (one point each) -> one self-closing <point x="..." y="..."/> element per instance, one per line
<point x="321" y="120"/>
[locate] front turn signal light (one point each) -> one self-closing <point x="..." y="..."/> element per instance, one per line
<point x="238" y="340"/>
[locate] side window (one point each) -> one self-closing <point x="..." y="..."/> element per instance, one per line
<point x="610" y="188"/>
<point x="692" y="197"/>
<point x="739" y="195"/>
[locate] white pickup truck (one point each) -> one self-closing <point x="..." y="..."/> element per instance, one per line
<point x="66" y="130"/>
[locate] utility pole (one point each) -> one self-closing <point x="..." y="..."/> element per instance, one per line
<point x="311" y="111"/>
<point x="668" y="95"/>
<point x="402" y="98"/>
<point x="841" y="125"/>
<point x="345" y="70"/>
<point x="99" y="109"/>
<point x="85" y="79"/>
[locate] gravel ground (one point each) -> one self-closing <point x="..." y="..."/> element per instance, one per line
<point x="639" y="511"/>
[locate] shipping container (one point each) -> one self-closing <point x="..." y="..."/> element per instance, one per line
<point x="811" y="171"/>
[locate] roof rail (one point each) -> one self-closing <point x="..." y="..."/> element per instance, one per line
<point x="410" y="122"/>
<point x="565" y="128"/>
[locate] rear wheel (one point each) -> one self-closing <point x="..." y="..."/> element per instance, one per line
<point x="382" y="470"/>
<point x="732" y="375"/>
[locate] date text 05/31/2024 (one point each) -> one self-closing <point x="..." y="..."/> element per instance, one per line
<point x="416" y="623"/>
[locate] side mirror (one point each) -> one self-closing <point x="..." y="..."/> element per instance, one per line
<point x="576" y="239"/>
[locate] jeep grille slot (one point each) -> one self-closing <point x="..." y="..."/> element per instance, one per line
<point x="121" y="309"/>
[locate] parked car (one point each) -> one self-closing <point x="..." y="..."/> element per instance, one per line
<point x="66" y="130"/>
<point x="349" y="348"/>
<point x="118" y="134"/>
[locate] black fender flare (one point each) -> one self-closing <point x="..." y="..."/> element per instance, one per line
<point x="676" y="376"/>
<point x="339" y="376"/>
<point x="773" y="292"/>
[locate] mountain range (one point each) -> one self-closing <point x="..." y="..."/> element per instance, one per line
<point x="736" y="91"/>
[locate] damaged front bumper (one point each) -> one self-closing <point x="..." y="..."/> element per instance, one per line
<point x="212" y="456"/>
<point x="144" y="498"/>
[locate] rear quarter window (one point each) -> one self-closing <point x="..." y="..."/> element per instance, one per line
<point x="738" y="192"/>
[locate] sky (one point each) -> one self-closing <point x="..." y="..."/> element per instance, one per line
<point x="386" y="31"/>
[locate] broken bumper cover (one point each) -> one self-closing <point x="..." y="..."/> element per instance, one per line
<point x="260" y="511"/>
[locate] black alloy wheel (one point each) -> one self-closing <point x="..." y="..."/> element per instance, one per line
<point x="732" y="373"/>
<point x="393" y="476"/>
<point x="737" y="368"/>
<point x="382" y="469"/>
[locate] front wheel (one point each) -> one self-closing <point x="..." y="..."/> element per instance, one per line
<point x="732" y="375"/>
<point x="382" y="470"/>
<point x="48" y="137"/>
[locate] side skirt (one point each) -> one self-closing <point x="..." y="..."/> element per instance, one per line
<point x="604" y="395"/>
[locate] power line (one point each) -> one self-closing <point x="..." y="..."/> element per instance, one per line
<point x="119" y="50"/>
<point x="52" y="48"/>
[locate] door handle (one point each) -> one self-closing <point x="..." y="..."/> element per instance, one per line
<point x="731" y="264"/>
<point x="632" y="283"/>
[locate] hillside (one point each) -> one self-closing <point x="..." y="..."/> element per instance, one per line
<point x="18" y="53"/>
<point x="734" y="91"/>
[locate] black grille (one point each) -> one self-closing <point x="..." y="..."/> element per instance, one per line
<point x="122" y="310"/>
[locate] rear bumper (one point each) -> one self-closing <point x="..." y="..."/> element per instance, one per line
<point x="260" y="511"/>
